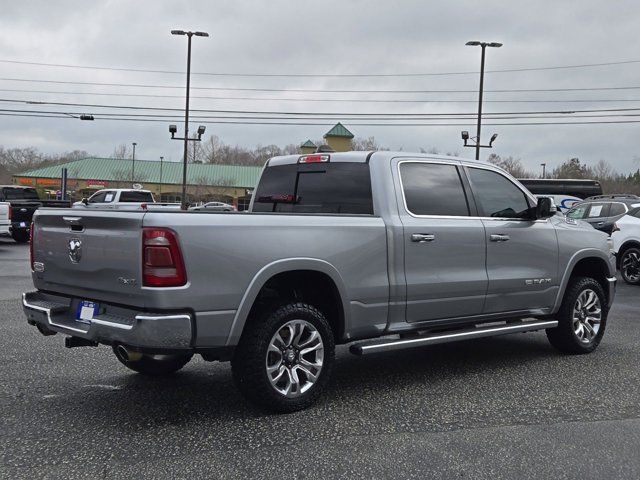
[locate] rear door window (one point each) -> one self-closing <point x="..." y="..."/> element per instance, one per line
<point x="433" y="189"/>
<point x="342" y="188"/>
<point x="496" y="195"/>
<point x="598" y="210"/>
<point x="135" y="196"/>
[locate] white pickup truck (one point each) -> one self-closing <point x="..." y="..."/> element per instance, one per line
<point x="5" y="218"/>
<point x="116" y="198"/>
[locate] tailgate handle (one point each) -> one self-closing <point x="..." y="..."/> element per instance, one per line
<point x="72" y="220"/>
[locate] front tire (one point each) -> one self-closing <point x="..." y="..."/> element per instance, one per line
<point x="630" y="266"/>
<point x="153" y="365"/>
<point x="284" y="360"/>
<point x="582" y="317"/>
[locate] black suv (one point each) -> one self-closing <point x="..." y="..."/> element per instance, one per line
<point x="602" y="211"/>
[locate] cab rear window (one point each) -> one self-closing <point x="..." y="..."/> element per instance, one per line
<point x="341" y="188"/>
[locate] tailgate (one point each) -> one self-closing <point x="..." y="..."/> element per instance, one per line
<point x="23" y="211"/>
<point x="92" y="255"/>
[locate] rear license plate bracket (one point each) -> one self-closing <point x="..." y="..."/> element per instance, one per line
<point x="86" y="310"/>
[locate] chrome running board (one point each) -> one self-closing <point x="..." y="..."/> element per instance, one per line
<point x="446" y="337"/>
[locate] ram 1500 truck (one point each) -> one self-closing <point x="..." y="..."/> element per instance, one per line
<point x="381" y="250"/>
<point x="24" y="201"/>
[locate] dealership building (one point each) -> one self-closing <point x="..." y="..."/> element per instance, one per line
<point x="205" y="182"/>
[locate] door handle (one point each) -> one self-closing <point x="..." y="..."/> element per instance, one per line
<point x="499" y="238"/>
<point x="600" y="223"/>
<point x="422" y="237"/>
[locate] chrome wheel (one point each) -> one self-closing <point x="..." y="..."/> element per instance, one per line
<point x="630" y="267"/>
<point x="587" y="315"/>
<point x="294" y="358"/>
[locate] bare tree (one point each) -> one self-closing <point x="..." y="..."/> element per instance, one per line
<point x="512" y="165"/>
<point x="122" y="151"/>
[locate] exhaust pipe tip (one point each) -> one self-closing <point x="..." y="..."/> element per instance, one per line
<point x="127" y="355"/>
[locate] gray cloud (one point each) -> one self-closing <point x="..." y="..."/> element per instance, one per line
<point x="328" y="37"/>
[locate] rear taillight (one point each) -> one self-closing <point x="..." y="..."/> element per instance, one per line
<point x="162" y="264"/>
<point x="10" y="212"/>
<point x="31" y="232"/>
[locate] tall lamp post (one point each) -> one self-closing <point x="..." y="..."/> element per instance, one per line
<point x="477" y="145"/>
<point x="161" y="159"/>
<point x="186" y="138"/>
<point x="133" y="163"/>
<point x="544" y="170"/>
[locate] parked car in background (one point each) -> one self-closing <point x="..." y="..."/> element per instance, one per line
<point x="565" y="192"/>
<point x="5" y="218"/>
<point x="626" y="246"/>
<point x="602" y="211"/>
<point x="116" y="198"/>
<point x="24" y="202"/>
<point x="214" y="207"/>
<point x="391" y="250"/>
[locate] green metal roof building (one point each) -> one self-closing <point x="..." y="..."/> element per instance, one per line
<point x="205" y="181"/>
<point x="115" y="170"/>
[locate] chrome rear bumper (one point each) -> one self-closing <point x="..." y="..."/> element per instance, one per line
<point x="112" y="325"/>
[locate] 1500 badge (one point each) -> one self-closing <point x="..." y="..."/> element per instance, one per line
<point x="537" y="281"/>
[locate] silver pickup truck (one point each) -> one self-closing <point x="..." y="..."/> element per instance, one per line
<point x="381" y="250"/>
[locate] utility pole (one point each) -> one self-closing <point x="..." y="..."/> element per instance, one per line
<point x="133" y="163"/>
<point x="161" y="158"/>
<point x="483" y="45"/>
<point x="544" y="170"/>
<point x="186" y="113"/>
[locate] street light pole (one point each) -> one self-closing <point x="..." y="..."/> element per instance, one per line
<point x="483" y="45"/>
<point x="183" y="205"/>
<point x="161" y="158"/>
<point x="133" y="163"/>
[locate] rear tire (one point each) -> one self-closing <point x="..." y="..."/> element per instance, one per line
<point x="153" y="365"/>
<point x="284" y="360"/>
<point x="20" y="236"/>
<point x="582" y="317"/>
<point x="630" y="266"/>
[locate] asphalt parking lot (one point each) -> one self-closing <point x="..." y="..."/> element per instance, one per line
<point x="507" y="407"/>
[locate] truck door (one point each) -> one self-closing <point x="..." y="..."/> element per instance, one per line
<point x="522" y="254"/>
<point x="444" y="244"/>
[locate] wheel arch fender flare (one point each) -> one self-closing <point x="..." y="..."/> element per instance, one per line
<point x="275" y="268"/>
<point x="571" y="265"/>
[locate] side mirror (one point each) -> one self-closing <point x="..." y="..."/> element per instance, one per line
<point x="545" y="208"/>
<point x="84" y="200"/>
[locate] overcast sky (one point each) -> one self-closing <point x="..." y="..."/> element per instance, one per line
<point x="325" y="37"/>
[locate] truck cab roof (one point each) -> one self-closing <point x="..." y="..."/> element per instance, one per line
<point x="368" y="156"/>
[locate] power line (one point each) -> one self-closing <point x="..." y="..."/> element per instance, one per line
<point x="359" y="114"/>
<point x="338" y="75"/>
<point x="355" y="124"/>
<point x="329" y="100"/>
<point x="332" y="118"/>
<point x="312" y="90"/>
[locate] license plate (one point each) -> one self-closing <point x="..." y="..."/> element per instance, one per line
<point x="23" y="224"/>
<point x="86" y="311"/>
